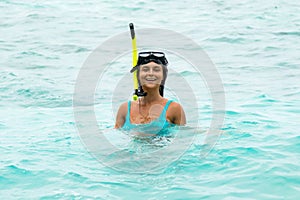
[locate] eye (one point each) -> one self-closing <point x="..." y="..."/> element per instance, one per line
<point x="157" y="69"/>
<point x="145" y="69"/>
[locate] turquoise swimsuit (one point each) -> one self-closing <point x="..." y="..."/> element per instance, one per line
<point x="157" y="126"/>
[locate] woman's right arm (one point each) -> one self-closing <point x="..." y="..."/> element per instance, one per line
<point x="121" y="115"/>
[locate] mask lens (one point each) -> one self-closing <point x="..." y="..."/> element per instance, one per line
<point x="158" y="54"/>
<point x="144" y="54"/>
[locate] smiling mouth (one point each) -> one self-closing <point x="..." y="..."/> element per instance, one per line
<point x="151" y="79"/>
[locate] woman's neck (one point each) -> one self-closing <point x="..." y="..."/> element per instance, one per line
<point x="152" y="96"/>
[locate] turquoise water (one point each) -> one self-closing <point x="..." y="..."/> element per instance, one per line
<point x="254" y="45"/>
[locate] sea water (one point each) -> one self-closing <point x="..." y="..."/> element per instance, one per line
<point x="255" y="47"/>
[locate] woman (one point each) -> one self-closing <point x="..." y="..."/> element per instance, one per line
<point x="152" y="112"/>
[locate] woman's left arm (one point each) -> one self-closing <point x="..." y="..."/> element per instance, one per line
<point x="176" y="114"/>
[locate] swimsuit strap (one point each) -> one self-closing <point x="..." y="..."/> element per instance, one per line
<point x="163" y="113"/>
<point x="128" y="112"/>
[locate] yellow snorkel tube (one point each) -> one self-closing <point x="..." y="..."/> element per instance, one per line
<point x="134" y="61"/>
<point x="138" y="90"/>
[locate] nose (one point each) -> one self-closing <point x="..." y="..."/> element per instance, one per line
<point x="150" y="71"/>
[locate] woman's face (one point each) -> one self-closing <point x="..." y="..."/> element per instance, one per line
<point x="151" y="75"/>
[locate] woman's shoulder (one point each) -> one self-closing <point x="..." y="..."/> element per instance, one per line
<point x="124" y="104"/>
<point x="176" y="114"/>
<point x="123" y="107"/>
<point x="174" y="105"/>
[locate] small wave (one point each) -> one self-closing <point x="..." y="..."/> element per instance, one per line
<point x="75" y="176"/>
<point x="231" y="40"/>
<point x="31" y="97"/>
<point x="288" y="33"/>
<point x="231" y="112"/>
<point x="13" y="169"/>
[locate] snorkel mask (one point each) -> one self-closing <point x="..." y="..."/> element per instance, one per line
<point x="151" y="56"/>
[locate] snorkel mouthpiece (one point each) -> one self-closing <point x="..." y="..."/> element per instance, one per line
<point x="140" y="92"/>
